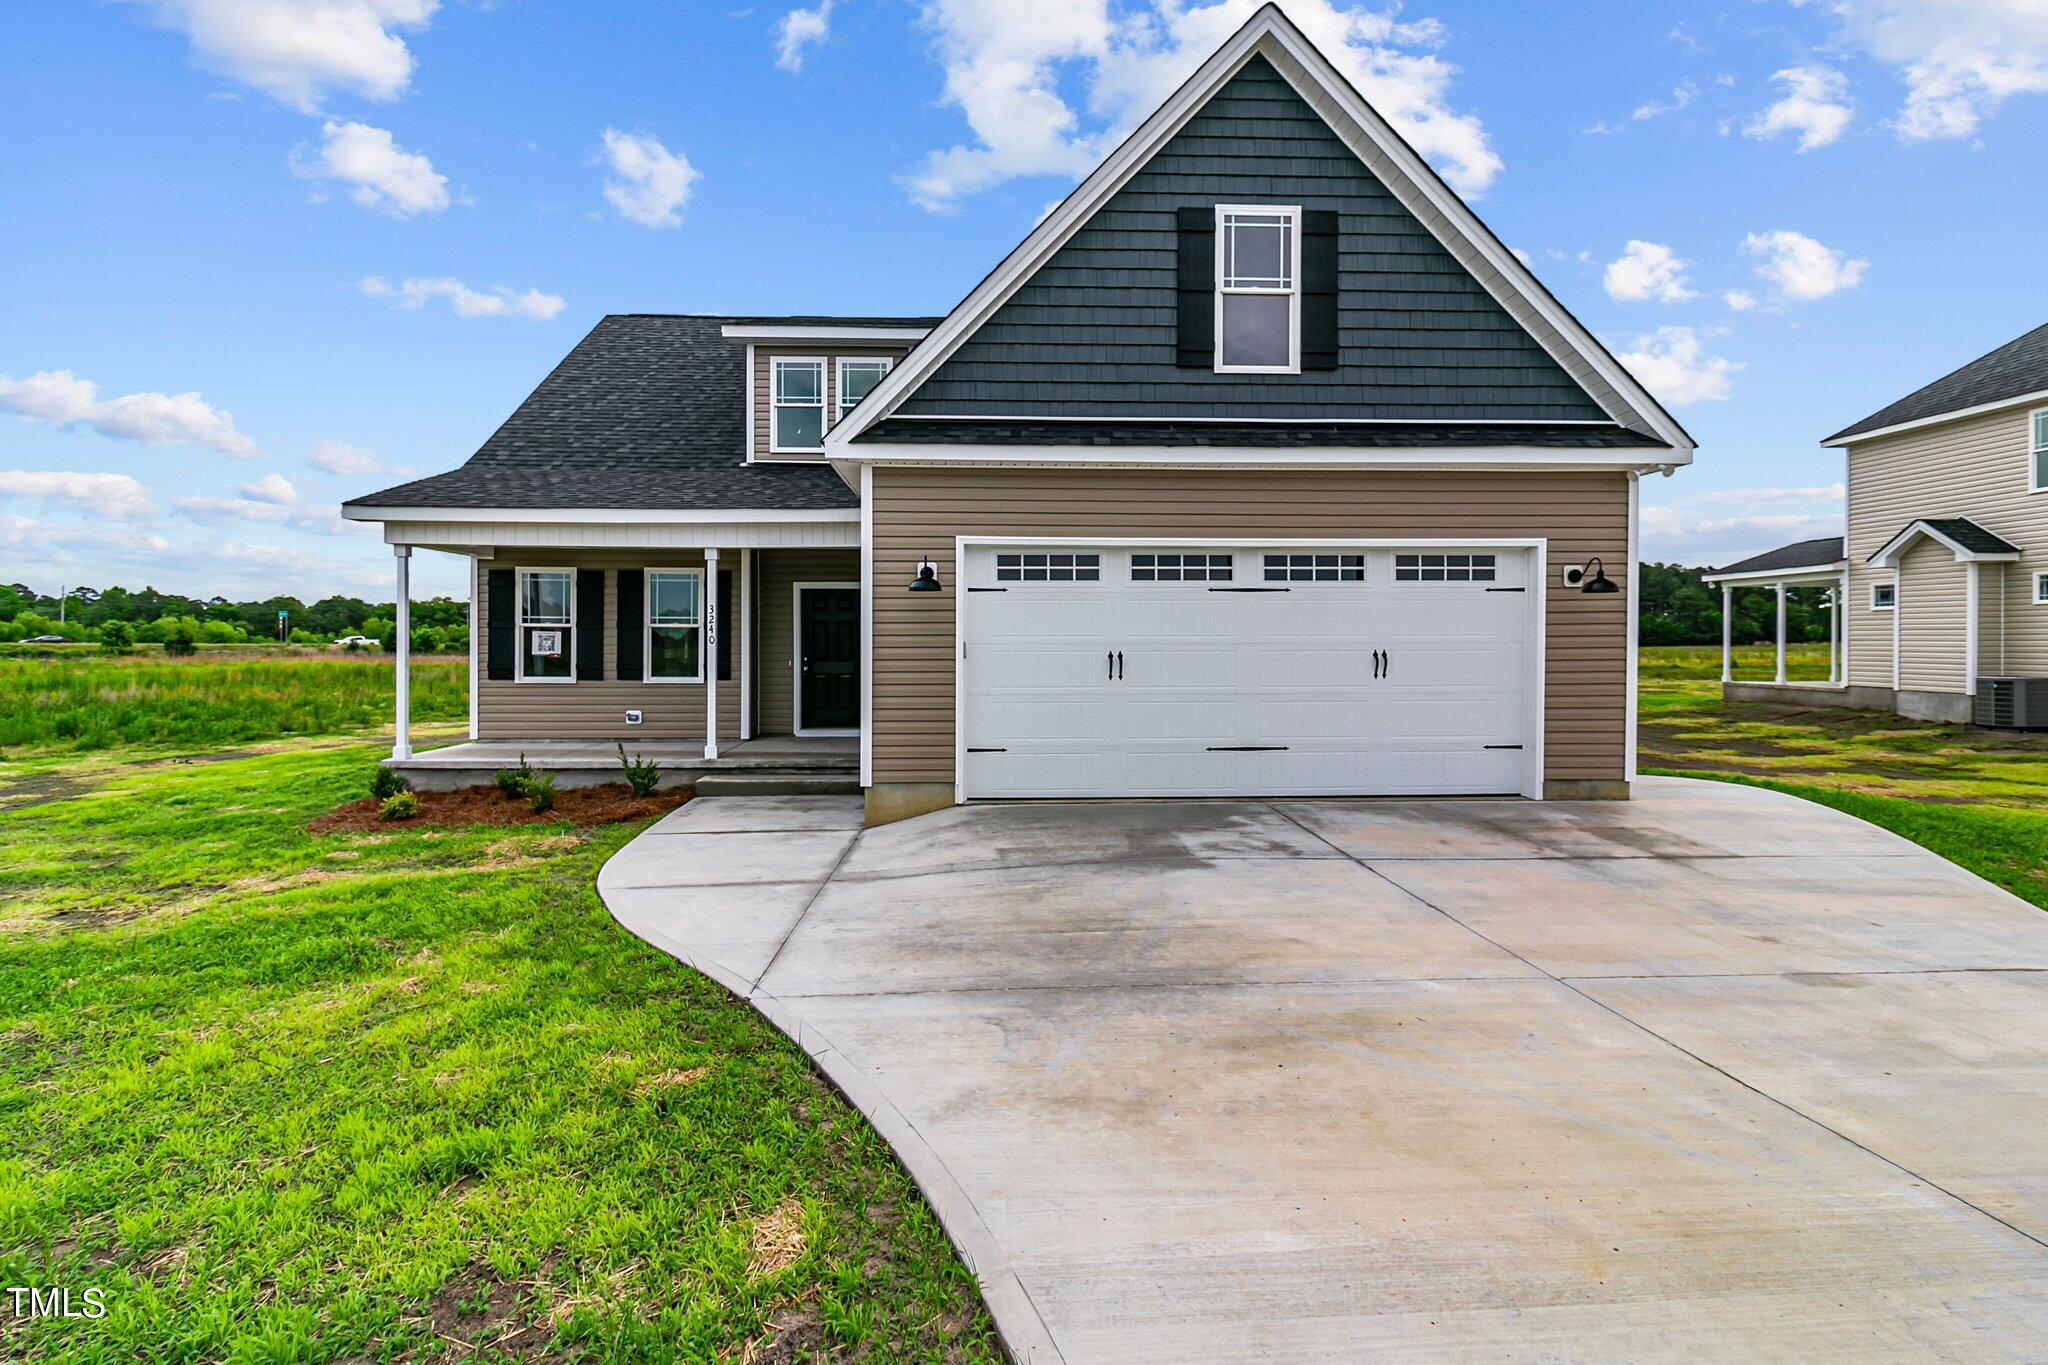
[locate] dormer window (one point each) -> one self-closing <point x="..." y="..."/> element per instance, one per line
<point x="799" y="401"/>
<point x="1258" y="289"/>
<point x="857" y="375"/>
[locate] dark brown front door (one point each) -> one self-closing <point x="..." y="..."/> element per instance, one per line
<point x="828" y="659"/>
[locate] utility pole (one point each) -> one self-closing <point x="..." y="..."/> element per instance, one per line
<point x="63" y="596"/>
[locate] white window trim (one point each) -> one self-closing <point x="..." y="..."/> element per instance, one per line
<point x="519" y="617"/>
<point x="2036" y="448"/>
<point x="839" y="409"/>
<point x="1876" y="605"/>
<point x="775" y="403"/>
<point x="1292" y="293"/>
<point x="2040" y="576"/>
<point x="647" y="622"/>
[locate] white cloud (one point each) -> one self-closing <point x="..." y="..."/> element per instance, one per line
<point x="801" y="28"/>
<point x="1648" y="271"/>
<point x="61" y="399"/>
<point x="1673" y="363"/>
<point x="1687" y="536"/>
<point x="649" y="184"/>
<point x="1960" y="59"/>
<point x="105" y="495"/>
<point x="201" y="563"/>
<point x="216" y="511"/>
<point x="379" y="174"/>
<point x="275" y="489"/>
<point x="1738" y="300"/>
<point x="1815" y="105"/>
<point x="1762" y="497"/>
<point x="346" y="461"/>
<point x="1006" y="62"/>
<point x="498" y="302"/>
<point x="1800" y="268"/>
<point x="298" y="50"/>
<point x="1681" y="96"/>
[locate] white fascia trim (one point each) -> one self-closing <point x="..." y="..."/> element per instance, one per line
<point x="1895" y="548"/>
<point x="1212" y="457"/>
<point x="1817" y="572"/>
<point x="2016" y="401"/>
<point x="756" y="332"/>
<point x="1268" y="26"/>
<point x="604" y="516"/>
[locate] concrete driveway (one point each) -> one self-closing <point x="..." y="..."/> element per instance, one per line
<point x="1712" y="1073"/>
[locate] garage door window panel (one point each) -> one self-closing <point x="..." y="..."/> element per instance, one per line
<point x="1315" y="568"/>
<point x="1049" y="567"/>
<point x="1180" y="567"/>
<point x="1445" y="568"/>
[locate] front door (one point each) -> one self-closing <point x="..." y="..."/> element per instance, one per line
<point x="828" y="658"/>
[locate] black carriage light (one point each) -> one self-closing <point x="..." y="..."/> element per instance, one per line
<point x="927" y="579"/>
<point x="1593" y="578"/>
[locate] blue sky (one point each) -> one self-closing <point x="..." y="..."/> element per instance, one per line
<point x="359" y="231"/>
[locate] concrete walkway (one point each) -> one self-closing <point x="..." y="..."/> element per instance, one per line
<point x="1714" y="1073"/>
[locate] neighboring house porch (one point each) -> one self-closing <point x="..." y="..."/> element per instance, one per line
<point x="1808" y="564"/>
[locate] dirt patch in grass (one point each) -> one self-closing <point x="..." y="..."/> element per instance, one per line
<point x="610" y="804"/>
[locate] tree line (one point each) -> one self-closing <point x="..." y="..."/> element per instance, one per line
<point x="1677" y="608"/>
<point x="118" y="617"/>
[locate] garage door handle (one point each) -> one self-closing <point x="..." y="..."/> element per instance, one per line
<point x="1386" y="664"/>
<point x="1110" y="660"/>
<point x="1119" y="665"/>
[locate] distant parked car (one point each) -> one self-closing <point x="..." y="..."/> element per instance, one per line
<point x="46" y="640"/>
<point x="358" y="642"/>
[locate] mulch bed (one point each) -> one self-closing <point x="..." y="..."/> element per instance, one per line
<point x="610" y="804"/>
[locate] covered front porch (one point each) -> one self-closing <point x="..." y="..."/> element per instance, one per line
<point x="725" y="647"/>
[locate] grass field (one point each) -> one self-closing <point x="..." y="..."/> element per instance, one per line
<point x="1977" y="797"/>
<point x="77" y="701"/>
<point x="400" y="1094"/>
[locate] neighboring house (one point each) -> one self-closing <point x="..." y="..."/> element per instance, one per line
<point x="1260" y="467"/>
<point x="1944" y="578"/>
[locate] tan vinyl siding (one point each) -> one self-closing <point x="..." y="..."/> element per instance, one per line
<point x="1975" y="467"/>
<point x="764" y="387"/>
<point x="775" y="658"/>
<point x="595" y="710"/>
<point x="1931" y="633"/>
<point x="919" y="511"/>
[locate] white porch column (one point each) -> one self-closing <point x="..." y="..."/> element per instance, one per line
<point x="401" y="742"/>
<point x="1727" y="633"/>
<point x="746" y="629"/>
<point x="712" y="625"/>
<point x="1834" y="632"/>
<point x="1969" y="629"/>
<point x="1781" y="632"/>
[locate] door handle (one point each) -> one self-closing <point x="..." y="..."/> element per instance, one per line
<point x="1386" y="664"/>
<point x="1119" y="665"/>
<point x="1110" y="660"/>
<point x="1375" y="663"/>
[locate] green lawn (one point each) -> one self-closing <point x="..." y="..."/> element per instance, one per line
<point x="402" y="1094"/>
<point x="1977" y="797"/>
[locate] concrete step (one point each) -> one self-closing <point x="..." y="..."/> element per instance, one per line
<point x="778" y="784"/>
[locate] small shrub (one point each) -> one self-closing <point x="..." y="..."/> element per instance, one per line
<point x="117" y="637"/>
<point x="385" y="784"/>
<point x="540" y="792"/>
<point x="513" y="782"/>
<point x="641" y="772"/>
<point x="181" y="637"/>
<point x="400" y="806"/>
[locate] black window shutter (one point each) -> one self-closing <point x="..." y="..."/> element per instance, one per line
<point x="727" y="620"/>
<point x="590" y="625"/>
<point x="502" y="623"/>
<point x="1319" y="290"/>
<point x="632" y="623"/>
<point x="1195" y="287"/>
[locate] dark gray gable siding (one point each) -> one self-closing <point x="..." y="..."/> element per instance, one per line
<point x="1092" y="333"/>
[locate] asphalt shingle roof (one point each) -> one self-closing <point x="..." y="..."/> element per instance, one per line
<point x="648" y="411"/>
<point x="1806" y="554"/>
<point x="2020" y="366"/>
<point x="1265" y="435"/>
<point x="1971" y="536"/>
<point x="817" y="320"/>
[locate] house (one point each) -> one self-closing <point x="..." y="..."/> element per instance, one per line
<point x="1942" y="581"/>
<point x="1259" y="467"/>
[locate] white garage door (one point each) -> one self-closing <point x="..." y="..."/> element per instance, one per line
<point x="1100" y="670"/>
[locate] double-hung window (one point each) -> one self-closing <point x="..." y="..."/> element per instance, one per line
<point x="675" y="625"/>
<point x="547" y="625"/>
<point x="1258" y="289"/>
<point x="857" y="375"/>
<point x="798" y="404"/>
<point x="2037" y="432"/>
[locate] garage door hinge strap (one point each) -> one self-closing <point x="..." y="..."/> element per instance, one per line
<point x="1500" y="746"/>
<point x="1247" y="748"/>
<point x="972" y="750"/>
<point x="1251" y="590"/>
<point x="1006" y="590"/>
<point x="1489" y="590"/>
